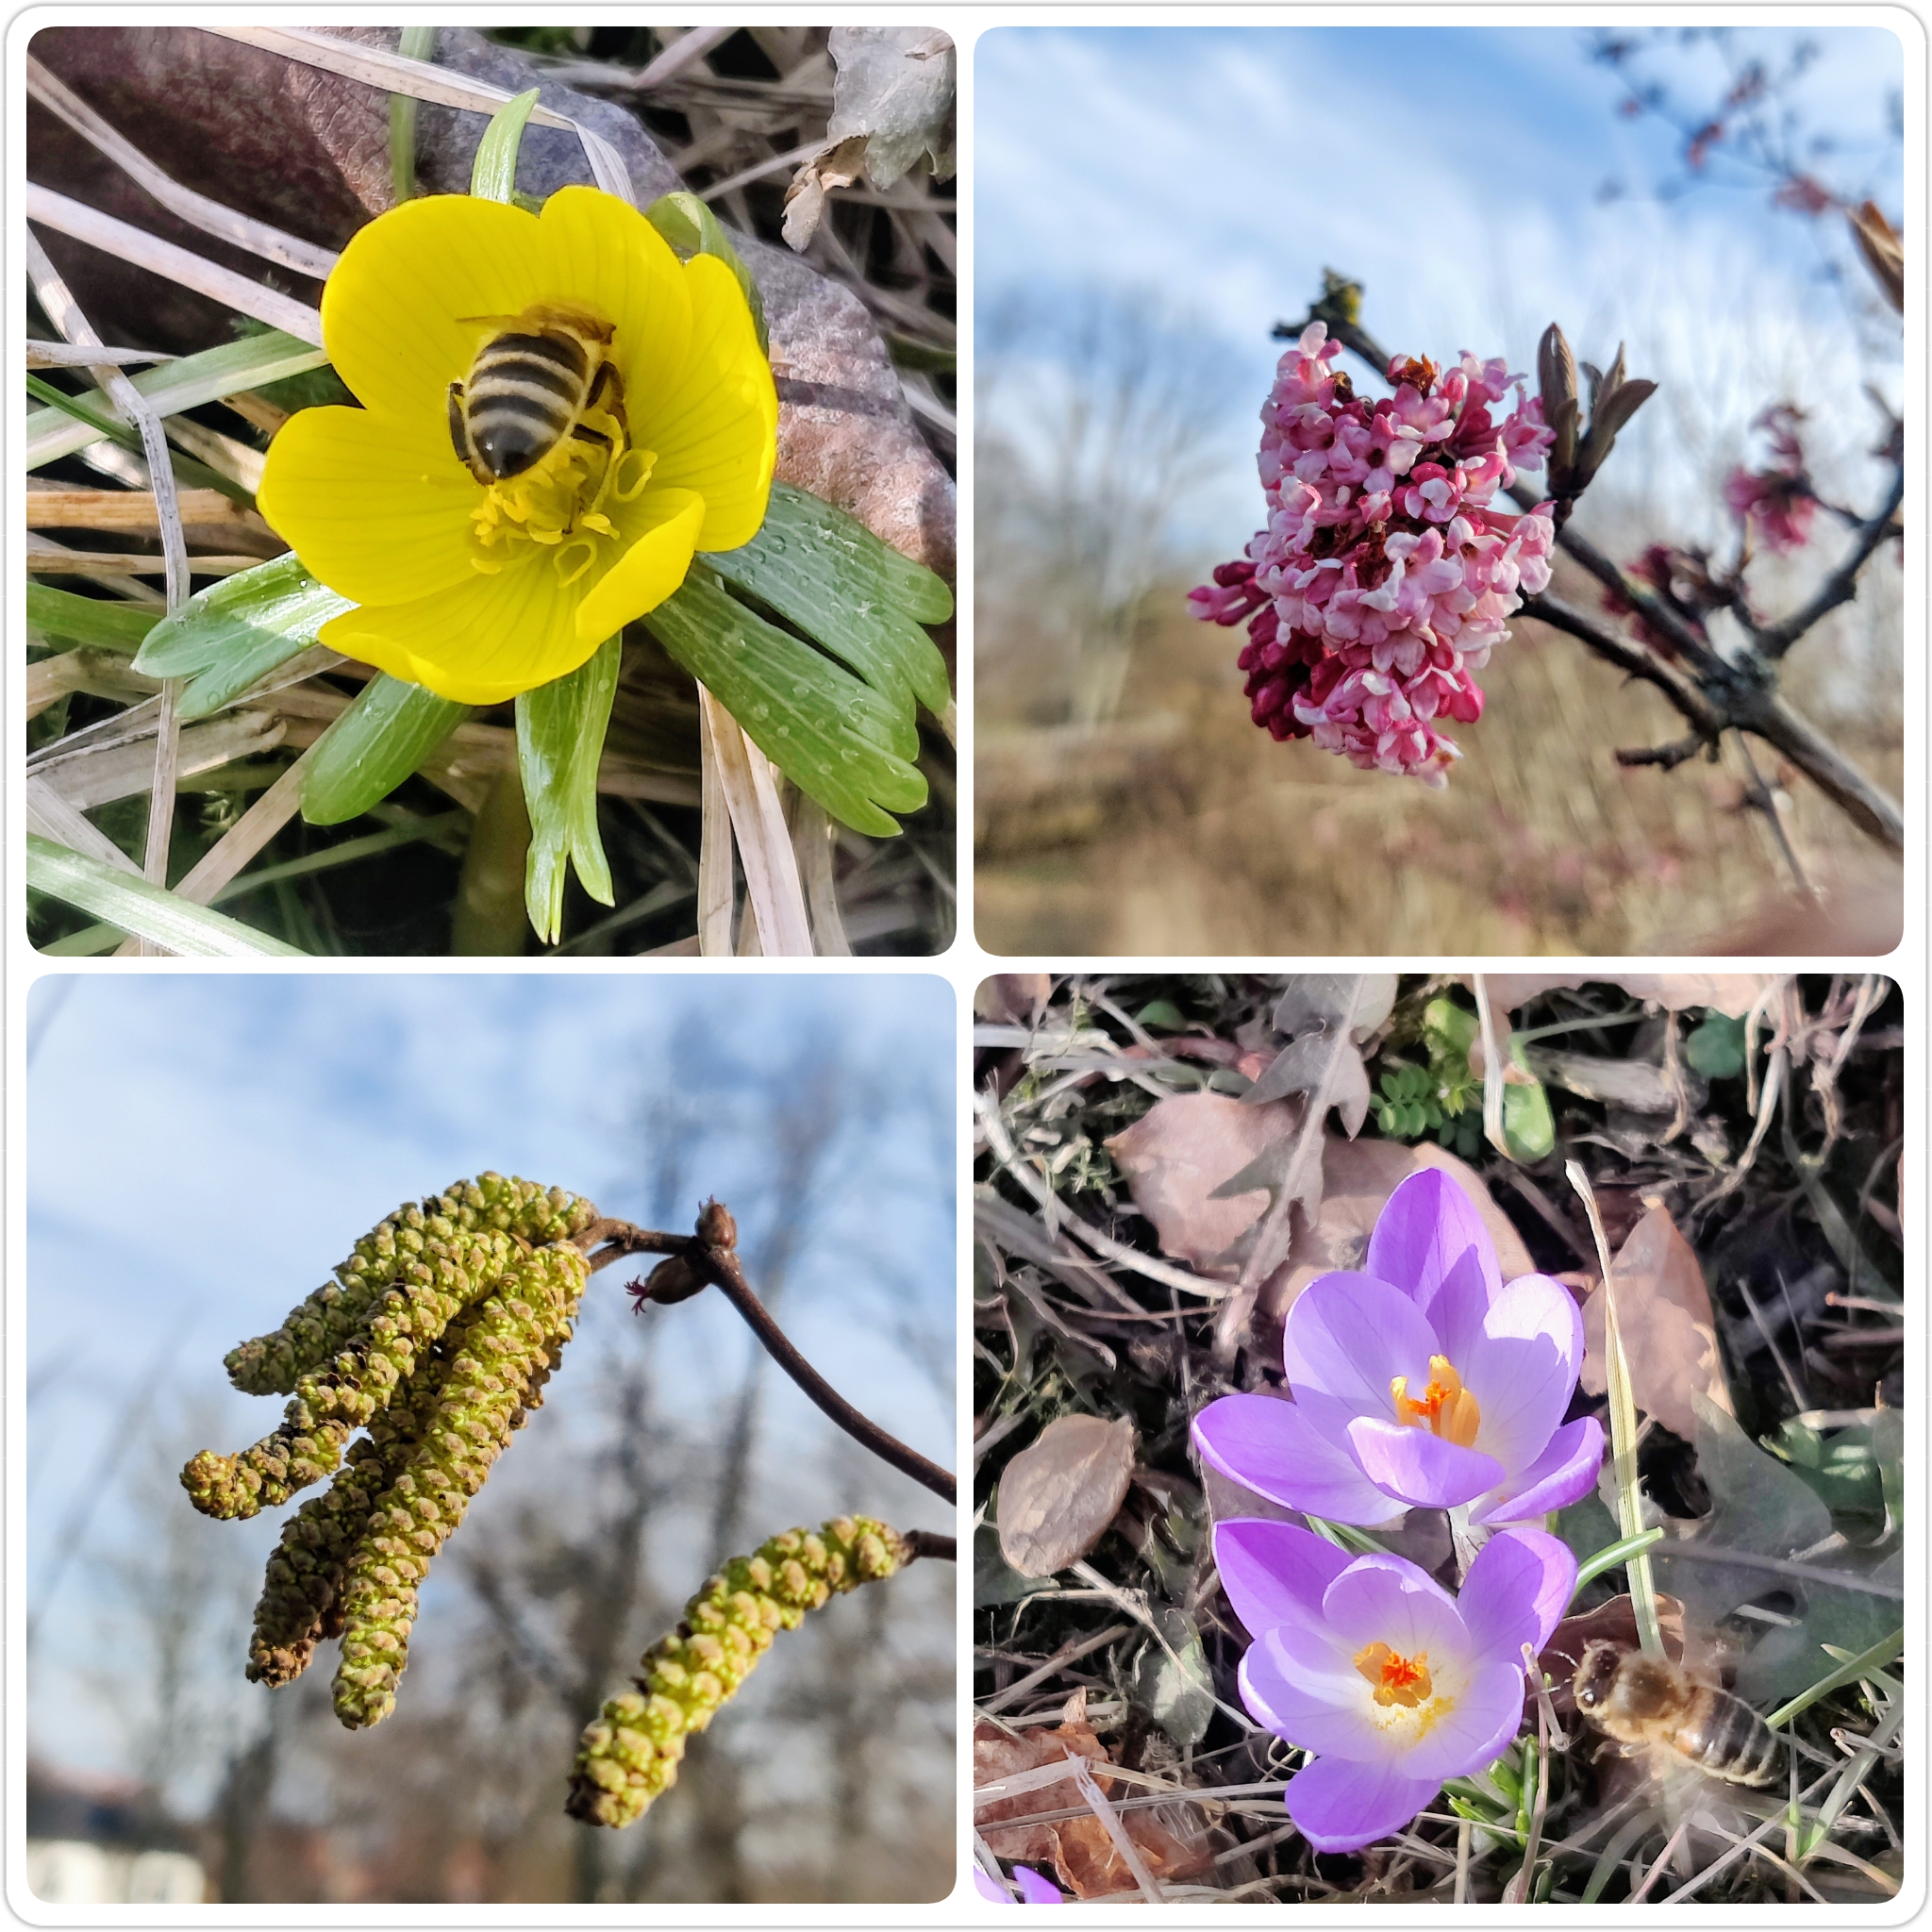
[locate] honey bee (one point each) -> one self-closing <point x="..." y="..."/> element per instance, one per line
<point x="1648" y="1701"/>
<point x="529" y="387"/>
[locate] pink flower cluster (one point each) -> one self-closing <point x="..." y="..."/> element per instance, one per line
<point x="1778" y="500"/>
<point x="1383" y="577"/>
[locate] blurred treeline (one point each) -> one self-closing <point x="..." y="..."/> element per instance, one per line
<point x="667" y="1443"/>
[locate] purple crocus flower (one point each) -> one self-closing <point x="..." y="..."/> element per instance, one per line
<point x="1034" y="1889"/>
<point x="1393" y="1683"/>
<point x="1423" y="1381"/>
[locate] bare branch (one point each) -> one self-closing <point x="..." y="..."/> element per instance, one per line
<point x="1842" y="586"/>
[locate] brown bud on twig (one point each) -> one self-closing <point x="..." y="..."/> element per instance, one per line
<point x="716" y="1228"/>
<point x="1614" y="398"/>
<point x="672" y="1280"/>
<point x="1884" y="250"/>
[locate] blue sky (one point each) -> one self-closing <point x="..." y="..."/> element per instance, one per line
<point x="201" y="1149"/>
<point x="1454" y="172"/>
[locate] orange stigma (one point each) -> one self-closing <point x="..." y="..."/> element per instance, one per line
<point x="1398" y="1679"/>
<point x="1445" y="1407"/>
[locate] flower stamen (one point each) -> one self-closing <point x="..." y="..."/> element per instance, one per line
<point x="1445" y="1407"/>
<point x="1397" y="1679"/>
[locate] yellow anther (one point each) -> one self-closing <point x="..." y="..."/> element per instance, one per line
<point x="1445" y="1407"/>
<point x="1397" y="1679"/>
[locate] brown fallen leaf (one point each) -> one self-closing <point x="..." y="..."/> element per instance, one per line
<point x="1357" y="1178"/>
<point x="1012" y="999"/>
<point x="1172" y="1840"/>
<point x="1663" y="1309"/>
<point x="1057" y="1495"/>
<point x="1183" y="1148"/>
<point x="1723" y="993"/>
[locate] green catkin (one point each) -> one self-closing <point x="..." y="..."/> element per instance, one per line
<point x="436" y="1281"/>
<point x="321" y="1326"/>
<point x="629" y="1754"/>
<point x="506" y="1350"/>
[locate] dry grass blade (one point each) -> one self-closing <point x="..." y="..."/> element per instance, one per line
<point x="257" y="238"/>
<point x="394" y="73"/>
<point x="121" y="238"/>
<point x="757" y="823"/>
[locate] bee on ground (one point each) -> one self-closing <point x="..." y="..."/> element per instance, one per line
<point x="1650" y="1701"/>
<point x="529" y="387"/>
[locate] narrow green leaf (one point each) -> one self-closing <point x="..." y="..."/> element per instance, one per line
<point x="143" y="909"/>
<point x="560" y="730"/>
<point x="62" y="617"/>
<point x="1849" y="1672"/>
<point x="83" y="412"/>
<point x="249" y="363"/>
<point x="834" y="736"/>
<point x="415" y="44"/>
<point x="824" y="572"/>
<point x="373" y="746"/>
<point x="1612" y="1555"/>
<point x="691" y="228"/>
<point x="226" y="637"/>
<point x="493" y="173"/>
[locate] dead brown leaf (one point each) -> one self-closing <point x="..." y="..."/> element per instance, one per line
<point x="1183" y="1148"/>
<point x="1663" y="1309"/>
<point x="1080" y="1850"/>
<point x="1012" y="999"/>
<point x="1357" y="1178"/>
<point x="1058" y="1495"/>
<point x="1724" y="992"/>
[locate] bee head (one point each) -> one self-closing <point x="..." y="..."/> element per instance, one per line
<point x="1596" y="1673"/>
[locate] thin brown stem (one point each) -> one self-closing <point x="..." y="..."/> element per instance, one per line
<point x="717" y="1261"/>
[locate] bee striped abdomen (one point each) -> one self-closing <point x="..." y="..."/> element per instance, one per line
<point x="523" y="394"/>
<point x="1727" y="1739"/>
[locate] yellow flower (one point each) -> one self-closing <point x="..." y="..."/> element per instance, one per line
<point x="482" y="592"/>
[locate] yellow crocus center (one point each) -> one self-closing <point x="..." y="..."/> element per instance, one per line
<point x="1397" y="1679"/>
<point x="1445" y="1407"/>
<point x="559" y="505"/>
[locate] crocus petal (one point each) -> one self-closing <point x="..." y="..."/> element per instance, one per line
<point x="1036" y="1890"/>
<point x="1341" y="1806"/>
<point x="1389" y="1600"/>
<point x="1296" y="1681"/>
<point x="1275" y="1573"/>
<point x="649" y="571"/>
<point x="1349" y="1336"/>
<point x="1482" y="1718"/>
<point x="715" y="427"/>
<point x="373" y="509"/>
<point x="599" y="252"/>
<point x="1517" y="1591"/>
<point x="987" y="1888"/>
<point x="1563" y="1473"/>
<point x="1523" y="1367"/>
<point x="1274" y="1448"/>
<point x="1426" y="1471"/>
<point x="1427" y="1232"/>
<point x="483" y="641"/>
<point x="408" y="304"/>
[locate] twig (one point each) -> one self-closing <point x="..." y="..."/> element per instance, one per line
<point x="1840" y="587"/>
<point x="1764" y="801"/>
<point x="711" y="1256"/>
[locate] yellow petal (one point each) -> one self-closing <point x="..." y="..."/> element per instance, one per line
<point x="601" y="254"/>
<point x="366" y="505"/>
<point x="393" y="314"/>
<point x="715" y="429"/>
<point x="483" y="641"/>
<point x="649" y="570"/>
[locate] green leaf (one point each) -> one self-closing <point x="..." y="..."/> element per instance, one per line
<point x="1716" y="1049"/>
<point x="1177" y="1690"/>
<point x="415" y="44"/>
<point x="1529" y="1128"/>
<point x="103" y="422"/>
<point x="61" y="619"/>
<point x="691" y="228"/>
<point x="827" y="574"/>
<point x="143" y="909"/>
<point x="493" y="173"/>
<point x="561" y="728"/>
<point x="249" y="363"/>
<point x="373" y="746"/>
<point x="994" y="1579"/>
<point x="838" y="740"/>
<point x="1164" y="1015"/>
<point x="226" y="637"/>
